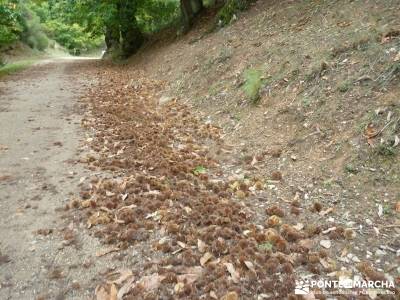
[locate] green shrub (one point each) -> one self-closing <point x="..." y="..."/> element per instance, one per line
<point x="230" y="9"/>
<point x="253" y="84"/>
<point x="15" y="67"/>
<point x="38" y="40"/>
<point x="385" y="150"/>
<point x="10" y="28"/>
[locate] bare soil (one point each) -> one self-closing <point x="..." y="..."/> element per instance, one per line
<point x="43" y="255"/>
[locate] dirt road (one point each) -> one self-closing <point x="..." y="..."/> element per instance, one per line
<point x="39" y="139"/>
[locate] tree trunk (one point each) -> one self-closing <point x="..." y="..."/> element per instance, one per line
<point x="197" y="6"/>
<point x="131" y="36"/>
<point x="112" y="38"/>
<point x="187" y="14"/>
<point x="132" y="39"/>
<point x="190" y="8"/>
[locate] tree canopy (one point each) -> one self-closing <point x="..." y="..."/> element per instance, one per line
<point x="83" y="25"/>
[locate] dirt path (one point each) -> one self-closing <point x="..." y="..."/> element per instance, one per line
<point x="39" y="138"/>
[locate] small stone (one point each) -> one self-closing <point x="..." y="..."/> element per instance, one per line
<point x="380" y="252"/>
<point x="369" y="222"/>
<point x="325" y="243"/>
<point x="164" y="100"/>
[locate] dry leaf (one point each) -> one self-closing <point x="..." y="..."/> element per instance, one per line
<point x="205" y="258"/>
<point x="329" y="230"/>
<point x="106" y="251"/>
<point x="380" y="210"/>
<point x="190" y="274"/>
<point x="327" y="211"/>
<point x="123" y="276"/>
<point x="188" y="278"/>
<point x="201" y="246"/>
<point x="396" y="141"/>
<point x="298" y="226"/>
<point x="126" y="288"/>
<point x="151" y="282"/>
<point x="230" y="296"/>
<point x="181" y="244"/>
<point x="397" y="57"/>
<point x="213" y="295"/>
<point x="307" y="243"/>
<point x="249" y="265"/>
<point x="397" y="206"/>
<point x="234" y="274"/>
<point x="370" y="131"/>
<point x="108" y="292"/>
<point x="178" y="288"/>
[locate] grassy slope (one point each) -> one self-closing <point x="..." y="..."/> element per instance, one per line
<point x="15" y="67"/>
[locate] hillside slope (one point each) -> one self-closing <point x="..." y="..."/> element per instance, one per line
<point x="230" y="164"/>
<point x="328" y="119"/>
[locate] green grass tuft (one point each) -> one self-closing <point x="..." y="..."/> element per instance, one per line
<point x="253" y="84"/>
<point x="15" y="67"/>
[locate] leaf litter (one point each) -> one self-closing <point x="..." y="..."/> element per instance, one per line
<point x="204" y="241"/>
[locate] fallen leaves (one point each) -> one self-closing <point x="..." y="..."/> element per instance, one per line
<point x="103" y="252"/>
<point x="169" y="194"/>
<point x="98" y="218"/>
<point x="235" y="276"/>
<point x="5" y="178"/>
<point x="150" y="282"/>
<point x="190" y="274"/>
<point x="230" y="296"/>
<point x="201" y="246"/>
<point x="108" y="292"/>
<point x="205" y="258"/>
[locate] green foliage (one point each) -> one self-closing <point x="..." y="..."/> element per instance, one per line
<point x="266" y="246"/>
<point x="7" y="69"/>
<point x="385" y="150"/>
<point x="10" y="28"/>
<point x="344" y="86"/>
<point x="231" y="9"/>
<point x="154" y="15"/>
<point x="33" y="34"/>
<point x="253" y="84"/>
<point x="199" y="170"/>
<point x="349" y="168"/>
<point x="73" y="37"/>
